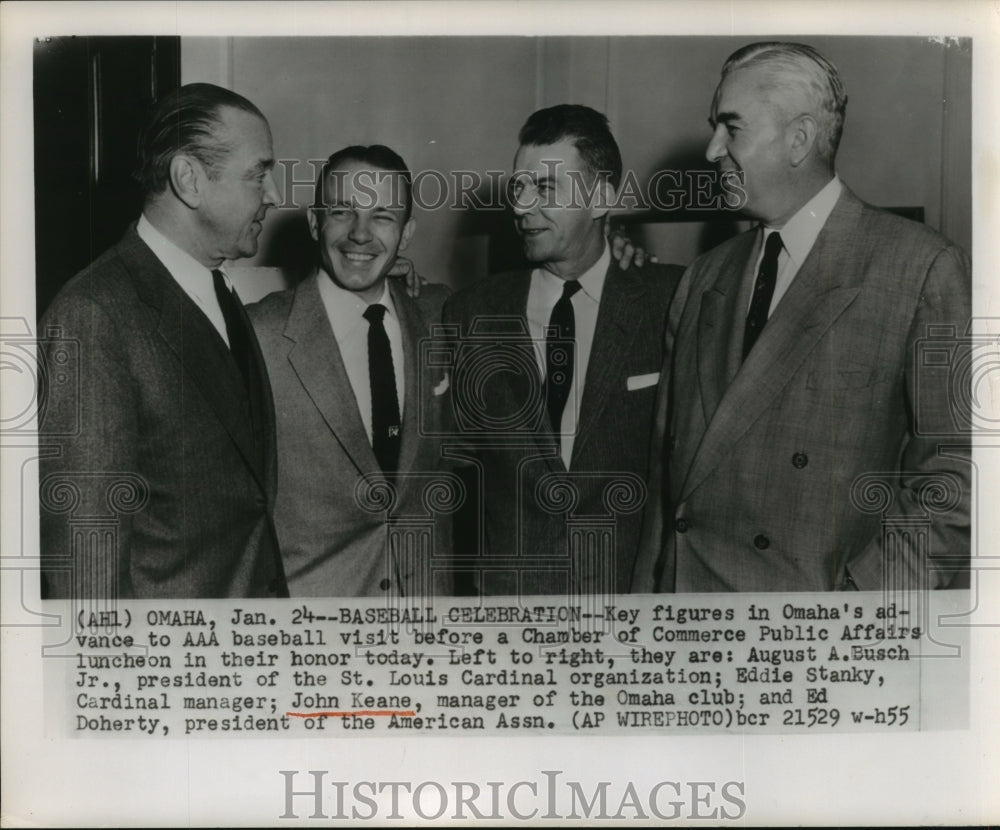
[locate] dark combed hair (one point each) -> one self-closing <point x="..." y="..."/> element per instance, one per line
<point x="589" y="131"/>
<point x="375" y="155"/>
<point x="185" y="121"/>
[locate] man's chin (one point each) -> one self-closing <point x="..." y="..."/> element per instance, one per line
<point x="359" y="284"/>
<point x="247" y="249"/>
<point x="533" y="252"/>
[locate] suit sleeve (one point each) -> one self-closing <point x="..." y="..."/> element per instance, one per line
<point x="88" y="430"/>
<point x="651" y="540"/>
<point x="933" y="486"/>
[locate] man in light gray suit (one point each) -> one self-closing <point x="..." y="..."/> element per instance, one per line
<point x="801" y="442"/>
<point x="343" y="353"/>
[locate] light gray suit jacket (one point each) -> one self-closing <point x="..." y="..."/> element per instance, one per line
<point x="336" y="514"/>
<point x="835" y="453"/>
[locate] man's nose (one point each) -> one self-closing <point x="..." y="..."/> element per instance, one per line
<point x="525" y="201"/>
<point x="271" y="194"/>
<point x="716" y="149"/>
<point x="361" y="230"/>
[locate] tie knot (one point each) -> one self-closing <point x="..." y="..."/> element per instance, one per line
<point x="772" y="246"/>
<point x="375" y="312"/>
<point x="570" y="287"/>
<point x="219" y="280"/>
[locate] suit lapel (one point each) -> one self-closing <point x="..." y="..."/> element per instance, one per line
<point x="315" y="357"/>
<point x="412" y="330"/>
<point x="203" y="354"/>
<point x="720" y="338"/>
<point x="620" y="315"/>
<point x="510" y="301"/>
<point x="825" y="286"/>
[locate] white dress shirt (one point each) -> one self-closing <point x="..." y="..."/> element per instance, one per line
<point x="193" y="277"/>
<point x="345" y="310"/>
<point x="544" y="292"/>
<point x="797" y="238"/>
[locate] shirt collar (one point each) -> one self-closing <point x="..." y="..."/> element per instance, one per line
<point x="345" y="308"/>
<point x="800" y="232"/>
<point x="591" y="281"/>
<point x="183" y="267"/>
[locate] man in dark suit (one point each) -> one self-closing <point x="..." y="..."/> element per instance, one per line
<point x="158" y="466"/>
<point x="358" y="467"/>
<point x="555" y="371"/>
<point x="801" y="442"/>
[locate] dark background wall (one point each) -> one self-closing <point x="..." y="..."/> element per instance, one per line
<point x="91" y="95"/>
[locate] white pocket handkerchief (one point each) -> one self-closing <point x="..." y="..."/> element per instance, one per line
<point x="442" y="387"/>
<point x="642" y="381"/>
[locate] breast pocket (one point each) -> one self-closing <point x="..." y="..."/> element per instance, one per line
<point x="637" y="382"/>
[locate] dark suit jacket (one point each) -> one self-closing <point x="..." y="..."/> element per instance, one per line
<point x="787" y="471"/>
<point x="333" y="525"/>
<point x="546" y="529"/>
<point x="152" y="483"/>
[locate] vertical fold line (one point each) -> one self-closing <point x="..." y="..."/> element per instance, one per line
<point x="943" y="199"/>
<point x="231" y="63"/>
<point x="539" y="73"/>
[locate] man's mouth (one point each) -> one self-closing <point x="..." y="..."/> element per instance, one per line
<point x="531" y="231"/>
<point x="356" y="256"/>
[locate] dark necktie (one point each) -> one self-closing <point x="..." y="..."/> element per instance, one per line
<point x="763" y="292"/>
<point x="236" y="331"/>
<point x="559" y="353"/>
<point x="239" y="334"/>
<point x="385" y="404"/>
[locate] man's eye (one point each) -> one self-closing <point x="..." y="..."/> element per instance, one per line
<point x="385" y="217"/>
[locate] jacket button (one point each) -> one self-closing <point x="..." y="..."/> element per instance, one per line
<point x="384" y="584"/>
<point x="799" y="460"/>
<point x="761" y="542"/>
<point x="682" y="525"/>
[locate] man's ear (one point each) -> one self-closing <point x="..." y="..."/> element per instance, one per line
<point x="187" y="177"/>
<point x="408" y="229"/>
<point x="604" y="198"/>
<point x="313" y="222"/>
<point x="802" y="139"/>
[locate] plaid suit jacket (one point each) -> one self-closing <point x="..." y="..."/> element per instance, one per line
<point x="835" y="456"/>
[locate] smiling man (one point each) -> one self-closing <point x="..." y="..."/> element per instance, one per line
<point x="801" y="442"/>
<point x="342" y="350"/>
<point x="557" y="414"/>
<point x="158" y="464"/>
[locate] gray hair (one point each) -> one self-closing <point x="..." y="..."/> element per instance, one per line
<point x="802" y="67"/>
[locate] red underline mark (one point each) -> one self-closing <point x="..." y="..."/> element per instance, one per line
<point x="402" y="713"/>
